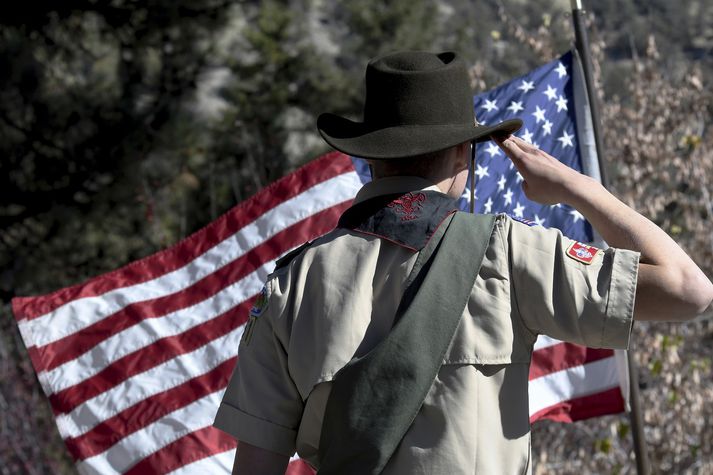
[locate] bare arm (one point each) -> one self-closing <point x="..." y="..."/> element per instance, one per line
<point x="670" y="285"/>
<point x="251" y="460"/>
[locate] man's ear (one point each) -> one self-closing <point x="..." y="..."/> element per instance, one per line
<point x="463" y="153"/>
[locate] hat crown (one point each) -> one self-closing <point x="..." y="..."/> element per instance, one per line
<point x="416" y="103"/>
<point x="417" y="88"/>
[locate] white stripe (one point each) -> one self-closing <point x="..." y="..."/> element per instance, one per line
<point x="221" y="463"/>
<point x="544" y="341"/>
<point x="215" y="464"/>
<point x="163" y="377"/>
<point x="137" y="446"/>
<point x="150" y="330"/>
<point x="571" y="383"/>
<point x="78" y="314"/>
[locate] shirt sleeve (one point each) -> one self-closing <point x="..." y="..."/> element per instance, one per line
<point x="261" y="405"/>
<point x="575" y="297"/>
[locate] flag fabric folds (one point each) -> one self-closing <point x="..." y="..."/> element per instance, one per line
<point x="134" y="362"/>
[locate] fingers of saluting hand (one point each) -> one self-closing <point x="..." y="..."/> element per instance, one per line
<point x="544" y="176"/>
<point x="515" y="147"/>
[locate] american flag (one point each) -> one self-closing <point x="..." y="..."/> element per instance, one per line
<point x="134" y="362"/>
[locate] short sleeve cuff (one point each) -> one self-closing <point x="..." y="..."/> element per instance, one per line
<point x="255" y="431"/>
<point x="620" y="306"/>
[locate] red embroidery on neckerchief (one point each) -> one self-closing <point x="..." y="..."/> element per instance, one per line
<point x="408" y="205"/>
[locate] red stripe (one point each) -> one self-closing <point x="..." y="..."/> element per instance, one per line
<point x="151" y="409"/>
<point x="563" y="356"/>
<point x="187" y="449"/>
<point x="61" y="351"/>
<point x="160" y="263"/>
<point x="593" y="405"/>
<point x="65" y="401"/>
<point x="166" y="348"/>
<point x="196" y="446"/>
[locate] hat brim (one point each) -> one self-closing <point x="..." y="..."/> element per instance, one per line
<point x="360" y="140"/>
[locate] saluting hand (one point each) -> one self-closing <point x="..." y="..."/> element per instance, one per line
<point x="670" y="286"/>
<point x="546" y="179"/>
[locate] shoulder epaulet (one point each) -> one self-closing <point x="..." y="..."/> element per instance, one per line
<point x="287" y="258"/>
<point x="526" y="221"/>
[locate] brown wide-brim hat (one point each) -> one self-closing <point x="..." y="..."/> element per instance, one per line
<point x="416" y="103"/>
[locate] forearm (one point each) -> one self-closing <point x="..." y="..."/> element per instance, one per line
<point x="621" y="226"/>
<point x="670" y="284"/>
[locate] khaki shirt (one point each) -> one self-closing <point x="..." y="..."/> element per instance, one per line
<point x="337" y="300"/>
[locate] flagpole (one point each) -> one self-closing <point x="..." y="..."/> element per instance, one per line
<point x="471" y="174"/>
<point x="582" y="44"/>
<point x="635" y="416"/>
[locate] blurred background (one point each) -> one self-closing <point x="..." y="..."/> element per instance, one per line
<point x="127" y="125"/>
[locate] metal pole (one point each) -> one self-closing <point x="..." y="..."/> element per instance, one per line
<point x="635" y="416"/>
<point x="471" y="174"/>
<point x="582" y="44"/>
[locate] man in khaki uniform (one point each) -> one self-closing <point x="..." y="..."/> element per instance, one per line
<point x="336" y="299"/>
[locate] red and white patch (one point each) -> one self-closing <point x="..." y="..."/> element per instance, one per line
<point x="581" y="252"/>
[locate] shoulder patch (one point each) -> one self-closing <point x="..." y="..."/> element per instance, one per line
<point x="582" y="252"/>
<point x="260" y="303"/>
<point x="529" y="222"/>
<point x="257" y="309"/>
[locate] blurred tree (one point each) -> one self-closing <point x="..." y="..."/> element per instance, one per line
<point x="89" y="91"/>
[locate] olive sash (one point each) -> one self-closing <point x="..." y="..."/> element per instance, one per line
<point x="374" y="399"/>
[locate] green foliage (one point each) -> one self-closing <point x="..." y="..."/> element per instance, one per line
<point x="383" y="26"/>
<point x="603" y="445"/>
<point x="623" y="430"/>
<point x="92" y="92"/>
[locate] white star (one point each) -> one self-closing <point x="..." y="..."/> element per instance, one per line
<point x="547" y="127"/>
<point x="481" y="171"/>
<point x="515" y="106"/>
<point x="493" y="149"/>
<point x="518" y="177"/>
<point x="527" y="136"/>
<point x="501" y="183"/>
<point x="539" y="114"/>
<point x="561" y="70"/>
<point x="561" y="103"/>
<point x="576" y="215"/>
<point x="508" y="197"/>
<point x="566" y="139"/>
<point x="526" y="86"/>
<point x="489" y="105"/>
<point x="466" y="195"/>
<point x="518" y="210"/>
<point x="551" y="93"/>
<point x="539" y="221"/>
<point x="488" y="205"/>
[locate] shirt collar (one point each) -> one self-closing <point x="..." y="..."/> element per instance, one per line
<point x="393" y="185"/>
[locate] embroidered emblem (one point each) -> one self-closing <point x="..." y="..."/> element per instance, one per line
<point x="582" y="252"/>
<point x="260" y="303"/>
<point x="258" y="308"/>
<point x="408" y="205"/>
